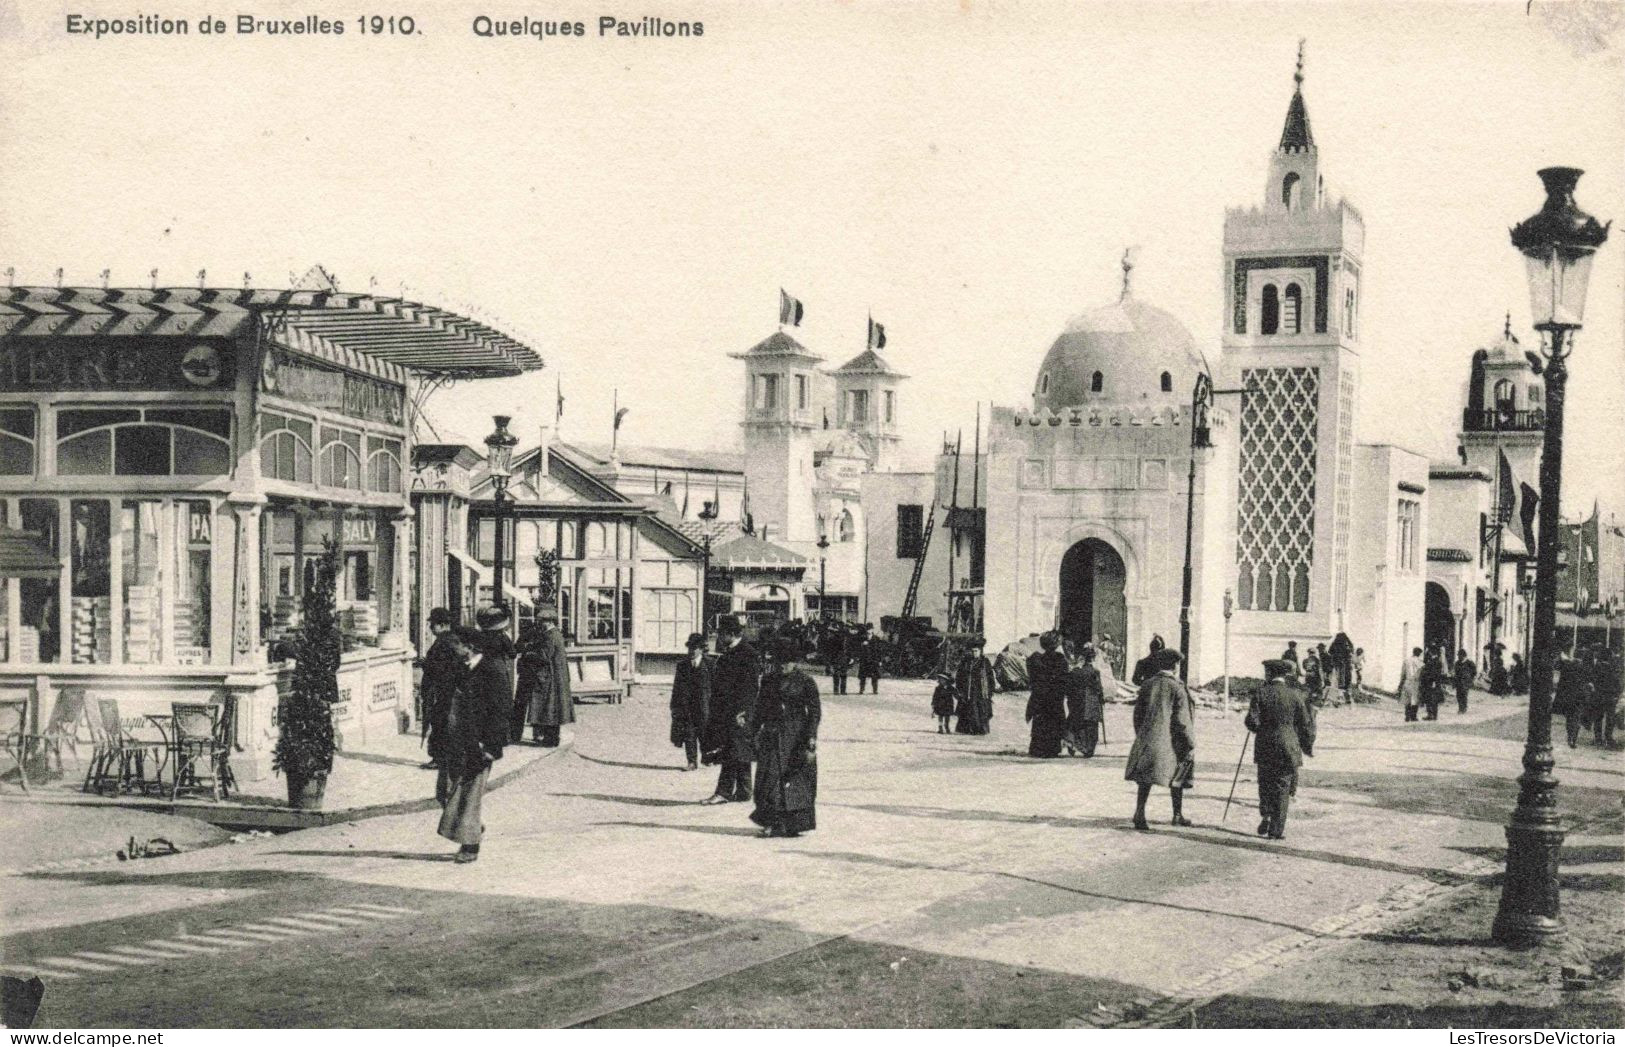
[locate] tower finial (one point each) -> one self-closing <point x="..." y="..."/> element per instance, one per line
<point x="1128" y="271"/>
<point x="1297" y="76"/>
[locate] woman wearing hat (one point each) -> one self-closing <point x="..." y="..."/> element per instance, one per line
<point x="785" y="723"/>
<point x="1046" y="699"/>
<point x="974" y="684"/>
<point x="691" y="700"/>
<point x="1085" y="703"/>
<point x="475" y="730"/>
<point x="1164" y="751"/>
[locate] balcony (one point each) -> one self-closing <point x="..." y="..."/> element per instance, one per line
<point x="1503" y="420"/>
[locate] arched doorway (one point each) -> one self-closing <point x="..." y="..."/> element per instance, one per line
<point x="1092" y="603"/>
<point x="1438" y="622"/>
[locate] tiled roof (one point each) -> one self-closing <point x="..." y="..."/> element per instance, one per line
<point x="1446" y="555"/>
<point x="747" y="550"/>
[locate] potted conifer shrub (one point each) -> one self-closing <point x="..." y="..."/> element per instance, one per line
<point x="305" y="743"/>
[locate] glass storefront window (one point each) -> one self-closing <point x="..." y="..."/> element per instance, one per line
<point x="91" y="610"/>
<point x="17" y="442"/>
<point x="39" y="636"/>
<point x="150" y="442"/>
<point x="141" y="581"/>
<point x="341" y="458"/>
<point x="193" y="534"/>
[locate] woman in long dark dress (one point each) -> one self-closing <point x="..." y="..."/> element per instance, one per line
<point x="1046" y="700"/>
<point x="1085" y="703"/>
<point x="475" y="730"/>
<point x="974" y="683"/>
<point x="785" y="723"/>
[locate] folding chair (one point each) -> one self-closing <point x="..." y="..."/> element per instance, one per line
<point x="14" y="734"/>
<point x="121" y="760"/>
<point x="197" y="749"/>
<point x="62" y="729"/>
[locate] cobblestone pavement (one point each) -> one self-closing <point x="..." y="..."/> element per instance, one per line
<point x="605" y="894"/>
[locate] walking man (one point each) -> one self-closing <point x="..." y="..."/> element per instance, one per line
<point x="476" y="728"/>
<point x="1285" y="733"/>
<point x="735" y="681"/>
<point x="840" y="658"/>
<point x="1466" y="673"/>
<point x="442" y="673"/>
<point x="1164" y="750"/>
<point x="1410" y="684"/>
<point x="869" y="663"/>
<point x="691" y="700"/>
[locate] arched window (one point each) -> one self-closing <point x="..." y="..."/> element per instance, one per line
<point x="1505" y="397"/>
<point x="1292" y="309"/>
<point x="285" y="448"/>
<point x="1167" y="382"/>
<point x="1097" y="383"/>
<point x="341" y="458"/>
<point x="17" y="442"/>
<point x="143" y="442"/>
<point x="1270" y="320"/>
<point x="383" y="465"/>
<point x="1289" y="191"/>
<point x="847" y="526"/>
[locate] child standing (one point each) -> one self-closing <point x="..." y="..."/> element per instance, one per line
<point x="943" y="700"/>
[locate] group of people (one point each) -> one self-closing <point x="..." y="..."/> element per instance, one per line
<point x="1424" y="677"/>
<point x="1588" y="694"/>
<point x="479" y="691"/>
<point x="1322" y="669"/>
<point x="964" y="694"/>
<point x="1066" y="699"/>
<point x="744" y="706"/>
<point x="847" y="647"/>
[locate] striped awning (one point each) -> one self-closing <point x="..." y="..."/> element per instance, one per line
<point x="406" y="334"/>
<point x="24" y="554"/>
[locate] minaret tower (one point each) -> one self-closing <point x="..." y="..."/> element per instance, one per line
<point x="782" y="420"/>
<point x="866" y="403"/>
<point x="1291" y="335"/>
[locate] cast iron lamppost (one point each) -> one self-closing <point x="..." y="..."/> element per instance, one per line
<point x="499" y="463"/>
<point x="1558" y="244"/>
<point x="823" y="546"/>
<point x="708" y="516"/>
<point x="1202" y="395"/>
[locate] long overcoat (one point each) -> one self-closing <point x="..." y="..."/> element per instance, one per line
<point x="1284" y="727"/>
<point x="735" y="680"/>
<point x="1410" y="682"/>
<point x="476" y="719"/>
<point x="785" y="724"/>
<point x="544" y="681"/>
<point x="1164" y="738"/>
<point x="690" y="700"/>
<point x="443" y="671"/>
<point x="1046" y="702"/>
<point x="974" y="683"/>
<point x="1085" y="699"/>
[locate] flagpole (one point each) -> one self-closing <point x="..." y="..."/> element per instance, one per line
<point x="1495" y="566"/>
<point x="614" y="423"/>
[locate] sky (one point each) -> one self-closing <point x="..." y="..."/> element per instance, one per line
<point x="969" y="173"/>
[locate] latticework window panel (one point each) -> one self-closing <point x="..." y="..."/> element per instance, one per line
<point x="1275" y="515"/>
<point x="1344" y="506"/>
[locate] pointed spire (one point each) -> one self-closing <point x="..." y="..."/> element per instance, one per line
<point x="1296" y="136"/>
<point x="1128" y="273"/>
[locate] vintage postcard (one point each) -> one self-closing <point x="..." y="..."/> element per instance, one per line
<point x="881" y="514"/>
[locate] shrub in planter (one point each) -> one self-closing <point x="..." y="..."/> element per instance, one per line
<point x="305" y="743"/>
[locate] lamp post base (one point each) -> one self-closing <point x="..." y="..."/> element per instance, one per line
<point x="1529" y="913"/>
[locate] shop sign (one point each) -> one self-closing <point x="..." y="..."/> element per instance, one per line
<point x="200" y="526"/>
<point x="352" y="395"/>
<point x="94" y="364"/>
<point x="360" y="530"/>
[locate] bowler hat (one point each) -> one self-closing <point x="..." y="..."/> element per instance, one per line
<point x="441" y="616"/>
<point x="695" y="640"/>
<point x="491" y="617"/>
<point x="728" y="625"/>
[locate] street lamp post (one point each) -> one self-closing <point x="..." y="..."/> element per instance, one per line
<point x="1202" y="394"/>
<point x="499" y="463"/>
<point x="708" y="516"/>
<point x="823" y="546"/>
<point x="1229" y="609"/>
<point x="1558" y="244"/>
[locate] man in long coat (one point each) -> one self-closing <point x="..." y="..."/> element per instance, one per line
<point x="1046" y="697"/>
<point x="442" y="673"/>
<point x="1432" y="683"/>
<point x="476" y="728"/>
<point x="735" y="680"/>
<point x="1410" y="684"/>
<point x="1164" y="750"/>
<point x="868" y="657"/>
<point x="840" y="657"/>
<point x="1085" y="702"/>
<point x="691" y="700"/>
<point x="975" y="683"/>
<point x="785" y="725"/>
<point x="545" y="681"/>
<point x="1281" y="719"/>
<point x="1466" y="674"/>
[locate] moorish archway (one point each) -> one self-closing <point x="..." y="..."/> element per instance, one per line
<point x="1091" y="588"/>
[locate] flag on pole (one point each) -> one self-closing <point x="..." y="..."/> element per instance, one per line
<point x="746" y="524"/>
<point x="877" y="334"/>
<point x="789" y="310"/>
<point x="620" y="416"/>
<point x="1519" y="504"/>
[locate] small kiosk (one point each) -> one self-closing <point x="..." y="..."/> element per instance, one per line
<point x="179" y="457"/>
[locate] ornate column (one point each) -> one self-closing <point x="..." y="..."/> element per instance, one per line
<point x="245" y="603"/>
<point x="399" y="618"/>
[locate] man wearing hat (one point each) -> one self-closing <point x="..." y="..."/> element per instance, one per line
<point x="544" y="672"/>
<point x="691" y="700"/>
<point x="442" y="673"/>
<point x="735" y="679"/>
<point x="1281" y="719"/>
<point x="1164" y="750"/>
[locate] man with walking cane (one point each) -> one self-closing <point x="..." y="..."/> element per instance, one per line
<point x="1286" y="734"/>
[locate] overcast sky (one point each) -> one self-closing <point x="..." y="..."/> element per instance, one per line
<point x="969" y="172"/>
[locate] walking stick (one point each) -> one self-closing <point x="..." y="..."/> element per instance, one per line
<point x="1237" y="778"/>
